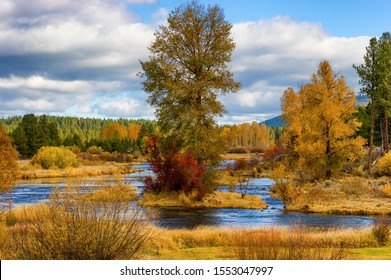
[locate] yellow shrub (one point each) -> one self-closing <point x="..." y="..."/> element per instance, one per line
<point x="384" y="165"/>
<point x="387" y="191"/>
<point x="52" y="157"/>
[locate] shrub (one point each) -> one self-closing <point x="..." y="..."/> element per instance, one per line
<point x="237" y="150"/>
<point x="10" y="219"/>
<point x="95" y="150"/>
<point x="240" y="164"/>
<point x="50" y="157"/>
<point x="274" y="153"/>
<point x="179" y="172"/>
<point x="381" y="232"/>
<point x="384" y="165"/>
<point x="70" y="228"/>
<point x="257" y="150"/>
<point x="284" y="185"/>
<point x="386" y="191"/>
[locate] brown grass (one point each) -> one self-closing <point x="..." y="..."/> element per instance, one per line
<point x="346" y="196"/>
<point x="257" y="243"/>
<point x="214" y="200"/>
<point x="211" y="242"/>
<point x="28" y="171"/>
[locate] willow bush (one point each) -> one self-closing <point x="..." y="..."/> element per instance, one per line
<point x="75" y="227"/>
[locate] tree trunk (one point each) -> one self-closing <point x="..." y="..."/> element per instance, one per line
<point x="371" y="135"/>
<point x="328" y="154"/>
<point x="385" y="131"/>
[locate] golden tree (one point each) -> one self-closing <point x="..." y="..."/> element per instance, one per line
<point x="134" y="131"/>
<point x="186" y="72"/>
<point x="321" y="125"/>
<point x="8" y="163"/>
<point x="114" y="131"/>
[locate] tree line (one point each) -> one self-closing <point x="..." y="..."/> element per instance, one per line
<point x="375" y="80"/>
<point x="32" y="132"/>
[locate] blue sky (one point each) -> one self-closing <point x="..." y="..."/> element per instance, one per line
<point x="81" y="58"/>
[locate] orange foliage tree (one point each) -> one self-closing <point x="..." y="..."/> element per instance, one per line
<point x="320" y="124"/>
<point x="133" y="131"/>
<point x="8" y="163"/>
<point x="113" y="131"/>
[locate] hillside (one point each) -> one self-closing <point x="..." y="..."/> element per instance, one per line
<point x="274" y="122"/>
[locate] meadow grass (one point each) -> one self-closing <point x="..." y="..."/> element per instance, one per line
<point x="28" y="171"/>
<point x="345" y="196"/>
<point x="263" y="243"/>
<point x="214" y="200"/>
<point x="216" y="243"/>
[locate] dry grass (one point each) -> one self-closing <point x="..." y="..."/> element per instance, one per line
<point x="28" y="171"/>
<point x="78" y="224"/>
<point x="214" y="200"/>
<point x="215" y="242"/>
<point x="346" y="196"/>
<point x="258" y="243"/>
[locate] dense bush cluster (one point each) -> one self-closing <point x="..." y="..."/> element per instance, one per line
<point x="52" y="157"/>
<point x="179" y="172"/>
<point x="104" y="156"/>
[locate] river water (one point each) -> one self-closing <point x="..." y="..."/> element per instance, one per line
<point x="34" y="191"/>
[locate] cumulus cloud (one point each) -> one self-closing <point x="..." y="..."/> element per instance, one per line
<point x="39" y="94"/>
<point x="125" y="108"/>
<point x="57" y="55"/>
<point x="273" y="54"/>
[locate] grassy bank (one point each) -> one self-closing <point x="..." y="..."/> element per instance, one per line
<point x="344" y="196"/>
<point x="205" y="243"/>
<point x="214" y="200"/>
<point x="218" y="243"/>
<point x="27" y="171"/>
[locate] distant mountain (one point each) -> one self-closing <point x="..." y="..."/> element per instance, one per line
<point x="276" y="121"/>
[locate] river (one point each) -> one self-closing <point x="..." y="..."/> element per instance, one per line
<point x="34" y="191"/>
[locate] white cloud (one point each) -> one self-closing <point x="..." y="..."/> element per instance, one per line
<point x="273" y="54"/>
<point x="39" y="94"/>
<point x="42" y="84"/>
<point x="85" y="55"/>
<point x="124" y="108"/>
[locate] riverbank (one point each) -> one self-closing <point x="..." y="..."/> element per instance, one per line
<point x="226" y="243"/>
<point x="27" y="171"/>
<point x="222" y="243"/>
<point x="214" y="200"/>
<point x="344" y="196"/>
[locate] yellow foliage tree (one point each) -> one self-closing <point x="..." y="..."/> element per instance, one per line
<point x="321" y="125"/>
<point x="114" y="131"/>
<point x="133" y="131"/>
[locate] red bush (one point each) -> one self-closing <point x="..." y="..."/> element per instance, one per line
<point x="274" y="153"/>
<point x="179" y="172"/>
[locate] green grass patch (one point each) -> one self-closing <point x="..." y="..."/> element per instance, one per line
<point x="378" y="253"/>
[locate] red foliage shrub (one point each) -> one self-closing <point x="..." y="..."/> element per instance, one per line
<point x="274" y="153"/>
<point x="179" y="172"/>
<point x="240" y="164"/>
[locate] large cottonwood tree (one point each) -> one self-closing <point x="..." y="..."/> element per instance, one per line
<point x="319" y="120"/>
<point x="187" y="70"/>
